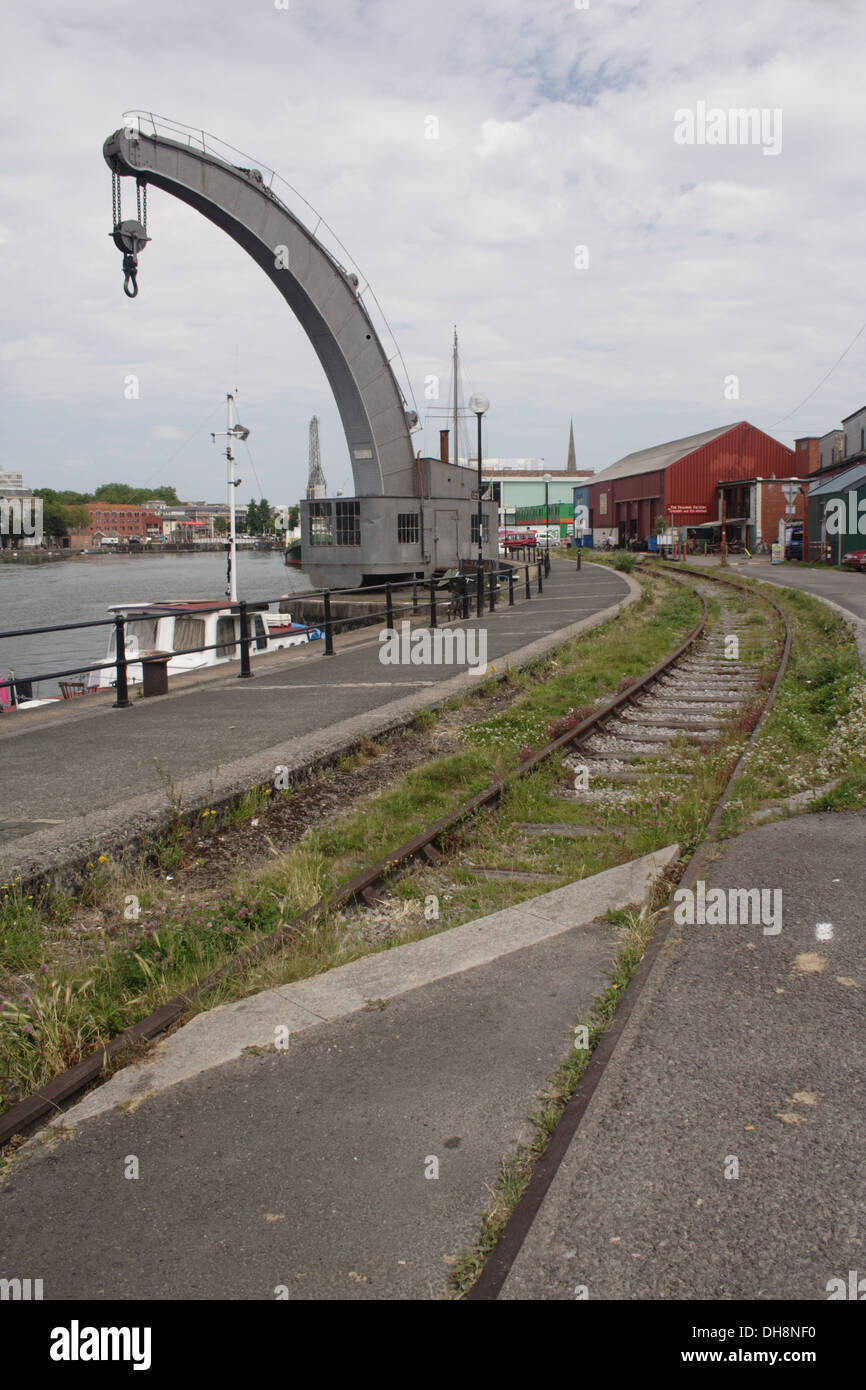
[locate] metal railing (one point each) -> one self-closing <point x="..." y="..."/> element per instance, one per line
<point x="485" y="584"/>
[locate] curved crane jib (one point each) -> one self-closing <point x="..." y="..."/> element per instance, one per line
<point x="320" y="293"/>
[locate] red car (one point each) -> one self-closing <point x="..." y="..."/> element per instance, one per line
<point x="856" y="559"/>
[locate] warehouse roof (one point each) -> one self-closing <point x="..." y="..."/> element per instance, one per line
<point x="852" y="477"/>
<point x="660" y="455"/>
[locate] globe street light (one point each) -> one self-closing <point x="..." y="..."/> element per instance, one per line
<point x="479" y="405"/>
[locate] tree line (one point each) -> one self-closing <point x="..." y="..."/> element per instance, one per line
<point x="65" y="510"/>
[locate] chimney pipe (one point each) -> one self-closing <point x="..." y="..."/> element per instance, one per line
<point x="443" y="445"/>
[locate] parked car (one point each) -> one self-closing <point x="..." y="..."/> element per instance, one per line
<point x="794" y="544"/>
<point x="856" y="559"/>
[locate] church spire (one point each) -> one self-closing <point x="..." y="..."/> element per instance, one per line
<point x="571" y="466"/>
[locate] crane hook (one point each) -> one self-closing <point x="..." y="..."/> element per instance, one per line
<point x="130" y="238"/>
<point x="130" y="271"/>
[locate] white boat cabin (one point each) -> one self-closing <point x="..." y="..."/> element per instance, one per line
<point x="158" y="627"/>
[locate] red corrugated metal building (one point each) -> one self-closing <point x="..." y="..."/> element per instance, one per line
<point x="679" y="480"/>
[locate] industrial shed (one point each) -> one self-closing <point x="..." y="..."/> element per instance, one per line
<point x="837" y="515"/>
<point x="680" y="480"/>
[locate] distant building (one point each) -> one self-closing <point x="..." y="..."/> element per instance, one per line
<point x="682" y="482"/>
<point x="121" y="520"/>
<point x="518" y="485"/>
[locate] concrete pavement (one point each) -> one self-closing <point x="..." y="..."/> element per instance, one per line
<point x="352" y="1164"/>
<point x="721" y="1156"/>
<point x="85" y="776"/>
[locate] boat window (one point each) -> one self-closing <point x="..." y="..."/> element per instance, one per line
<point x="188" y="634"/>
<point x="260" y="634"/>
<point x="142" y="629"/>
<point x="226" y="635"/>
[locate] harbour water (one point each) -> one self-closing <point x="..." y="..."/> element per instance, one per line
<point x="77" y="590"/>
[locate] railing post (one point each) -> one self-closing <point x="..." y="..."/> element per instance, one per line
<point x="389" y="608"/>
<point x="479" y="591"/>
<point x="492" y="595"/>
<point x="579" y="550"/>
<point x="465" y="596"/>
<point x="526" y="577"/>
<point x="122" y="701"/>
<point x="245" y="671"/>
<point x="511" y="588"/>
<point x="414" y="596"/>
<point x="329" y="633"/>
<point x="540" y="580"/>
<point x="547" y="562"/>
<point x="432" y="602"/>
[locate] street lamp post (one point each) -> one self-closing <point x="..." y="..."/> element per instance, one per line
<point x="479" y="405"/>
<point x="547" y="481"/>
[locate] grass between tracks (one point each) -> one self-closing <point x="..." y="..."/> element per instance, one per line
<point x="76" y="969"/>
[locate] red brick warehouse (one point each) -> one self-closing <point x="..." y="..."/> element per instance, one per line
<point x="681" y="481"/>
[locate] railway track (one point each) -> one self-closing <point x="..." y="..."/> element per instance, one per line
<point x="641" y="734"/>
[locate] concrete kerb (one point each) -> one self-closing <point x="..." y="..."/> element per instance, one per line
<point x="60" y="856"/>
<point x="221" y="1034"/>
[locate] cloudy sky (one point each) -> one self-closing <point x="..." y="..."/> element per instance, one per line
<point x="555" y="130"/>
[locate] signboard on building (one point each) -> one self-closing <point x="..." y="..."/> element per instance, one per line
<point x="681" y="511"/>
<point x="581" y="518"/>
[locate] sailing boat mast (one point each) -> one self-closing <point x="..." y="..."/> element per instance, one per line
<point x="232" y="576"/>
<point x="233" y="431"/>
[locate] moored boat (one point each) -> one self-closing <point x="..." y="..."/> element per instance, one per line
<point x="198" y="634"/>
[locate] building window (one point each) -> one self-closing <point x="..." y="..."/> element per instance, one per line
<point x="602" y="504"/>
<point x="349" y="522"/>
<point x="408" y="528"/>
<point x="485" y="527"/>
<point x="320" y="524"/>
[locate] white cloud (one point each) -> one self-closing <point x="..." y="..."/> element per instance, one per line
<point x="167" y="432"/>
<point x="555" y="129"/>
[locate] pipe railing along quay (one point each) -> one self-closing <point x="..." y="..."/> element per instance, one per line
<point x="458" y="589"/>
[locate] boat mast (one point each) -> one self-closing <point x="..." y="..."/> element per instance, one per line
<point x="233" y="431"/>
<point x="456" y="370"/>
